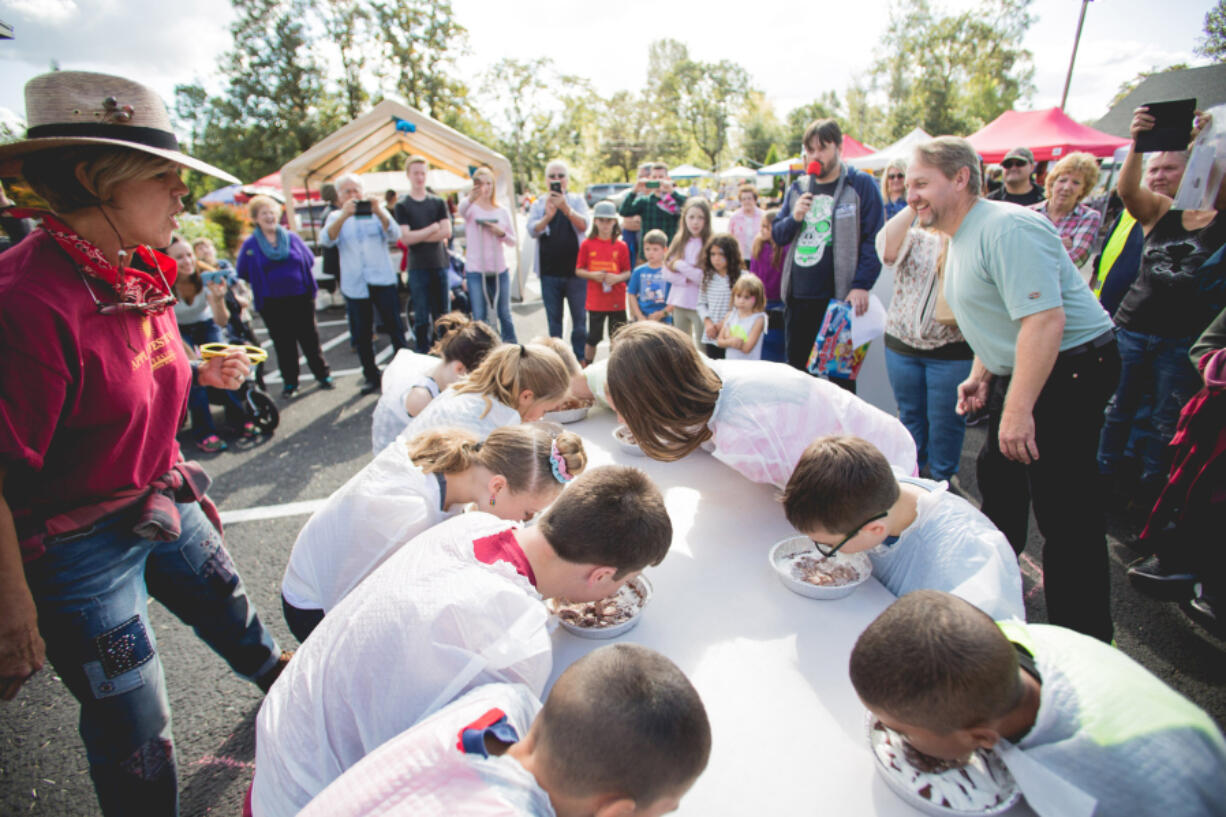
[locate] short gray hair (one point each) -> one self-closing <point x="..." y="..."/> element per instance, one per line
<point x="557" y="163"/>
<point x="350" y="177"/>
<point x="949" y="154"/>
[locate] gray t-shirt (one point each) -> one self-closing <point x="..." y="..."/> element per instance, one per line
<point x="1005" y="263"/>
<point x="416" y="214"/>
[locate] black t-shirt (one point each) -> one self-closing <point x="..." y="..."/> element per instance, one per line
<point x="416" y="214"/>
<point x="1025" y="199"/>
<point x="559" y="248"/>
<point x="813" y="251"/>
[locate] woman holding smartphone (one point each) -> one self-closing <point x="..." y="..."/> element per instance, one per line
<point x="488" y="230"/>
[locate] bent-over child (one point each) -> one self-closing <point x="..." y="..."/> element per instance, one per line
<point x="757" y="416"/>
<point x="845" y="497"/>
<point x="458" y="606"/>
<point x="598" y="746"/>
<point x="940" y="672"/>
<point x="745" y="326"/>
<point x="412" y="380"/>
<point x="411" y="487"/>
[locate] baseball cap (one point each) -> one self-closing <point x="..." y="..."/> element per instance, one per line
<point x="1019" y="153"/>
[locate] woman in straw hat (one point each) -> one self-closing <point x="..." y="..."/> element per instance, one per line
<point x="95" y="498"/>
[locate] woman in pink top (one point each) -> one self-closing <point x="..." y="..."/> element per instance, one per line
<point x="487" y="230"/>
<point x="747" y="220"/>
<point x="681" y="268"/>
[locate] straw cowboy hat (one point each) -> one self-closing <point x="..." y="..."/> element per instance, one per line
<point x="80" y="108"/>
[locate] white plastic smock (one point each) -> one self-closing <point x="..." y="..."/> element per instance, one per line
<point x="407" y="369"/>
<point x="1118" y="733"/>
<point x="384" y="505"/>
<point x="451" y="410"/>
<point x="430" y="623"/>
<point x="768" y="413"/>
<point x="422" y="773"/>
<point x="952" y="546"/>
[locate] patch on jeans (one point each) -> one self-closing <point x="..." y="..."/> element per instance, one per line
<point x="123" y="648"/>
<point x="154" y="760"/>
<point x="210" y="558"/>
<point x="104" y="687"/>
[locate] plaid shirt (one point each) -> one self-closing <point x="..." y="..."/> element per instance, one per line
<point x="1080" y="227"/>
<point x="654" y="216"/>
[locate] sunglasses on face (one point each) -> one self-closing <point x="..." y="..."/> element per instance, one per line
<point x="557" y="175"/>
<point x="1012" y="163"/>
<point x="894" y="176"/>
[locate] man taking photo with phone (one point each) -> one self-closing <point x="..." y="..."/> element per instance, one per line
<point x="656" y="201"/>
<point x="558" y="221"/>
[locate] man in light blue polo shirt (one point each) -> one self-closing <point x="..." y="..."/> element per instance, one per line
<point x="368" y="279"/>
<point x="1045" y="364"/>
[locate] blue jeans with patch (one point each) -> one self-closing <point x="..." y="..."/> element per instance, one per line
<point x="926" y="389"/>
<point x="92" y="589"/>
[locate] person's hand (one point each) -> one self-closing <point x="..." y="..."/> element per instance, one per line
<point x="224" y="372"/>
<point x="215" y="291"/>
<point x="1016" y="436"/>
<point x="1202" y="121"/>
<point x="640" y="187"/>
<point x="972" y="396"/>
<point x="666" y="186"/>
<point x="1067" y="242"/>
<point x="561" y="202"/>
<point x="551" y="205"/>
<point x="712" y="329"/>
<point x="801" y="209"/>
<point x="858" y="298"/>
<point x="658" y="315"/>
<point x="22" y="651"/>
<point x="349" y="208"/>
<point x="496" y="230"/>
<point x="1141" y="122"/>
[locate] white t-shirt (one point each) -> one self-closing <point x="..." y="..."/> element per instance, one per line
<point x="407" y="370"/>
<point x="452" y="410"/>
<point x="383" y="506"/>
<point x="740" y="327"/>
<point x="423" y="773"/>
<point x="431" y="623"/>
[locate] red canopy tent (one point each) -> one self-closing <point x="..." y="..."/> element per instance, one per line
<point x="1050" y="134"/>
<point x="272" y="184"/>
<point x="853" y="148"/>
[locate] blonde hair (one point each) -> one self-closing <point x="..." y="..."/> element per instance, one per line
<point x="253" y="206"/>
<point x="662" y="388"/>
<point x="677" y="248"/>
<point x="511" y="369"/>
<point x="562" y="349"/>
<point x="895" y="164"/>
<point x="485" y="171"/>
<point x="751" y="285"/>
<point x="1075" y="164"/>
<point x="521" y="453"/>
<point x="53" y="174"/>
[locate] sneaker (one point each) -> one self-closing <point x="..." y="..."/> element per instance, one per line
<point x="976" y="418"/>
<point x="1162" y="580"/>
<point x="250" y="431"/>
<point x="289" y="391"/>
<point x="265" y="681"/>
<point x="211" y="444"/>
<point x="327" y="383"/>
<point x="369" y="387"/>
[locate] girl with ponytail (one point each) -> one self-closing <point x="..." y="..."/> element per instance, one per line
<point x="411" y="486"/>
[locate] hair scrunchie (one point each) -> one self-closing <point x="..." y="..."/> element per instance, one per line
<point x="558" y="463"/>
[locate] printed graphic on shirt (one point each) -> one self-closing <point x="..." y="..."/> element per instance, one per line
<point x="815" y="236"/>
<point x="651" y="289"/>
<point x="159" y="351"/>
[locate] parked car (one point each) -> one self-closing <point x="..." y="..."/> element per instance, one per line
<point x="600" y="192"/>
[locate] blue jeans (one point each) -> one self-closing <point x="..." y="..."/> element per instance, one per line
<point x="428" y="289"/>
<point x="631" y="238"/>
<point x="497" y="293"/>
<point x="572" y="290"/>
<point x="92" y="589"/>
<point x="361" y="316"/>
<point x="927" y="391"/>
<point x="1158" y="367"/>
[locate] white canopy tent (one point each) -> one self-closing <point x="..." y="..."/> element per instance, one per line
<point x="737" y="172"/>
<point x="688" y="172"/>
<point x="393" y="127"/>
<point x="440" y="181"/>
<point x="899" y="150"/>
<point x="782" y="168"/>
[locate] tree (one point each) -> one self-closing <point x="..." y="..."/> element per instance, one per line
<point x="1213" y="45"/>
<point x="952" y="73"/>
<point x="825" y="106"/>
<point x="760" y="128"/>
<point x="711" y="94"/>
<point x="348" y="23"/>
<point x="1128" y="87"/>
<point x="419" y="40"/>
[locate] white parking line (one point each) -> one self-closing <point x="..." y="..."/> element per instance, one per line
<point x="271" y="511"/>
<point x="380" y="357"/>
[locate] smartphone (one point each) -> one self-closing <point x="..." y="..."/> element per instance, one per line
<point x="1172" y="129"/>
<point x="487" y="221"/>
<point x="213" y="277"/>
<point x="653" y="184"/>
<point x="555" y="187"/>
<point x="362" y="208"/>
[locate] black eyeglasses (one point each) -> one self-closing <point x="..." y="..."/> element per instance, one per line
<point x="894" y="176"/>
<point x="826" y="550"/>
<point x="1012" y="163"/>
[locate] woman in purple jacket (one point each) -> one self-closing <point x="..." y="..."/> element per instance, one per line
<point x="278" y="266"/>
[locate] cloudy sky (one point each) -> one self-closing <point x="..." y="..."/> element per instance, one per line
<point x="793" y="54"/>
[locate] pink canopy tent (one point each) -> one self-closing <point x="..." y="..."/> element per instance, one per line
<point x="853" y="148"/>
<point x="1050" y="134"/>
<point x="272" y="183"/>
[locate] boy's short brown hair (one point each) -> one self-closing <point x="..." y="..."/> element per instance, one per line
<point x="657" y="237"/>
<point x="612" y="516"/>
<point x="623" y="720"/>
<point x="826" y="131"/>
<point x="839" y="482"/>
<point x="935" y="661"/>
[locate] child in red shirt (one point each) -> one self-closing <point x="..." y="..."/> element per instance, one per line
<point x="604" y="260"/>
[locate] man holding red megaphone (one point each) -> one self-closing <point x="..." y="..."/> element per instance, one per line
<point x="828" y="223"/>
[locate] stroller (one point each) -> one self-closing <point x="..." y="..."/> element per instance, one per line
<point x="255" y="404"/>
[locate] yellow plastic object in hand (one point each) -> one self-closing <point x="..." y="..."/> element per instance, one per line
<point x="254" y="353"/>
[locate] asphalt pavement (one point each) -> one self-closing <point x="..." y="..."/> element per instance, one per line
<point x="323" y="439"/>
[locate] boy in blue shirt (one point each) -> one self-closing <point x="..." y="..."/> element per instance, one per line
<point x="647" y="283"/>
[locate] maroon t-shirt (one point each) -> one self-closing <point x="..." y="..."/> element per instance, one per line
<point x="91" y="402"/>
